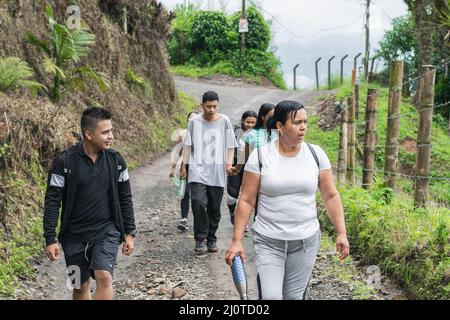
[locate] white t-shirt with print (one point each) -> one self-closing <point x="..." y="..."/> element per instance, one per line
<point x="287" y="194"/>
<point x="210" y="142"/>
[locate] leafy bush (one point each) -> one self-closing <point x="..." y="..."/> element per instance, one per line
<point x="181" y="40"/>
<point x="410" y="245"/>
<point x="15" y="73"/>
<point x="135" y="80"/>
<point x="209" y="37"/>
<point x="208" y="42"/>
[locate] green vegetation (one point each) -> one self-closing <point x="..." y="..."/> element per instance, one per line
<point x="208" y="42"/>
<point x="335" y="82"/>
<point x="22" y="240"/>
<point x="411" y="245"/>
<point x="161" y="127"/>
<point x="135" y="80"/>
<point x="346" y="272"/>
<point x="62" y="50"/>
<point x="402" y="43"/>
<point x="15" y="73"/>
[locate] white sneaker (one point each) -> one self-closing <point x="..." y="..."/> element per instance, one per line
<point x="183" y="225"/>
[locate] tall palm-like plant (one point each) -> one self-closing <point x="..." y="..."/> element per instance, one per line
<point x="63" y="50"/>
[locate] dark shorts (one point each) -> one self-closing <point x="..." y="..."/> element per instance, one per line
<point x="83" y="258"/>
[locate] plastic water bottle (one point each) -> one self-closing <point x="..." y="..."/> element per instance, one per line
<point x="181" y="186"/>
<point x="240" y="277"/>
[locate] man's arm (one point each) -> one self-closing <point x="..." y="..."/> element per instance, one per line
<point x="55" y="190"/>
<point x="186" y="154"/>
<point x="125" y="198"/>
<point x="229" y="165"/>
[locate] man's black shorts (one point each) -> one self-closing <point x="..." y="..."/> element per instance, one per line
<point x="100" y="254"/>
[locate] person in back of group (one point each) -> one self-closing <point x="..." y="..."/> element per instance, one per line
<point x="91" y="183"/>
<point x="248" y="121"/>
<point x="259" y="135"/>
<point x="286" y="174"/>
<point x="209" y="151"/>
<point x="179" y="136"/>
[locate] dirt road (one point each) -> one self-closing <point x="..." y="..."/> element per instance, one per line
<point x="164" y="265"/>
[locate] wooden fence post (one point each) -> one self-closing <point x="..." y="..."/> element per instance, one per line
<point x="393" y="123"/>
<point x="351" y="160"/>
<point x="356" y="101"/>
<point x="342" y="159"/>
<point x="370" y="138"/>
<point x="427" y="81"/>
<point x="125" y="20"/>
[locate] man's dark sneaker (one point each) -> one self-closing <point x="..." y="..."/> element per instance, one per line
<point x="183" y="225"/>
<point x="199" y="247"/>
<point x="212" y="246"/>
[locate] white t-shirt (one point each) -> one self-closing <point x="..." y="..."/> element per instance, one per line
<point x="287" y="193"/>
<point x="210" y="142"/>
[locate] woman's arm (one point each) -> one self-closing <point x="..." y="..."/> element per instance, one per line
<point x="247" y="200"/>
<point x="332" y="202"/>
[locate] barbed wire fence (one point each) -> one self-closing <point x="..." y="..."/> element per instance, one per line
<point x="348" y="144"/>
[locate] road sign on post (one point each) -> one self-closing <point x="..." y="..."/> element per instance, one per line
<point x="243" y="25"/>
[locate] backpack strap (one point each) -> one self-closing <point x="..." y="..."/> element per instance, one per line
<point x="259" y="159"/>
<point x="313" y="152"/>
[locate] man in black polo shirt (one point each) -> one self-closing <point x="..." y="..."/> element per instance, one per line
<point x="91" y="182"/>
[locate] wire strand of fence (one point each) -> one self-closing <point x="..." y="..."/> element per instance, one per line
<point x="415" y="78"/>
<point x="440" y="178"/>
<point x="405" y="114"/>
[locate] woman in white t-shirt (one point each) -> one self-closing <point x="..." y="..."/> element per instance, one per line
<point x="285" y="175"/>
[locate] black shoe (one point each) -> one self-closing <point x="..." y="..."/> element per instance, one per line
<point x="199" y="247"/>
<point x="212" y="246"/>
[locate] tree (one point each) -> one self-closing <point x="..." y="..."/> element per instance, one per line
<point x="422" y="11"/>
<point x="210" y="37"/>
<point x="63" y="50"/>
<point x="180" y="39"/>
<point x="400" y="43"/>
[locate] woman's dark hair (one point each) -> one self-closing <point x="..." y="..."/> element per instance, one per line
<point x="247" y="114"/>
<point x="282" y="111"/>
<point x="263" y="111"/>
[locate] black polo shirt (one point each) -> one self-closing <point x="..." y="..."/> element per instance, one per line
<point x="92" y="213"/>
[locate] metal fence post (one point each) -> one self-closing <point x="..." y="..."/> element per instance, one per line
<point x="342" y="68"/>
<point x="317" y="72"/>
<point x="329" y="72"/>
<point x="295" y="76"/>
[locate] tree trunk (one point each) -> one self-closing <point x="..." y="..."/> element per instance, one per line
<point x="423" y="15"/>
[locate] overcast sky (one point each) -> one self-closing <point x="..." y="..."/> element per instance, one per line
<point x="305" y="30"/>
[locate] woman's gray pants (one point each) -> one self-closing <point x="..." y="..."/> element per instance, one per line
<point x="284" y="267"/>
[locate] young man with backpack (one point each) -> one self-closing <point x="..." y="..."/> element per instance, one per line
<point x="90" y="182"/>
